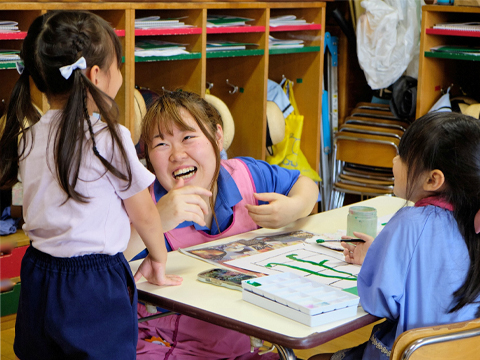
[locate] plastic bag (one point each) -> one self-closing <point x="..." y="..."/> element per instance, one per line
<point x="287" y="153"/>
<point x="388" y="38"/>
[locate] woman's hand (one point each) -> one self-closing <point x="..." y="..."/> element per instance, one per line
<point x="154" y="272"/>
<point x="183" y="203"/>
<point x="355" y="253"/>
<point x="280" y="211"/>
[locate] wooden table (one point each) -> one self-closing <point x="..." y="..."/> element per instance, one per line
<point x="225" y="307"/>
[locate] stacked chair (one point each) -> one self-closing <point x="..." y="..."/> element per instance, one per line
<point x="363" y="150"/>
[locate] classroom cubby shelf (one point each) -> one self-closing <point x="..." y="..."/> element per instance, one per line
<point x="305" y="49"/>
<point x="167" y="31"/>
<point x="13" y="36"/>
<point x="452" y="55"/>
<point x="248" y="70"/>
<point x="296" y="27"/>
<point x="234" y="53"/>
<point x="440" y="70"/>
<point x="236" y="30"/>
<point x="452" y="32"/>
<point x="168" y="58"/>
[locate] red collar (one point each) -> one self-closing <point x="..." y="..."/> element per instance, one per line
<point x="435" y="201"/>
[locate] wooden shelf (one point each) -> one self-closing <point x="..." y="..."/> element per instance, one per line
<point x="236" y="30"/>
<point x="451" y="55"/>
<point x="248" y="69"/>
<point x="13" y="36"/>
<point x="305" y="49"/>
<point x="170" y="31"/>
<point x="452" y="32"/>
<point x="439" y="70"/>
<point x="234" y="53"/>
<point x="296" y="27"/>
<point x="8" y="65"/>
<point x="168" y="58"/>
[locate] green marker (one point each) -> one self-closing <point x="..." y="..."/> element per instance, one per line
<point x="320" y="241"/>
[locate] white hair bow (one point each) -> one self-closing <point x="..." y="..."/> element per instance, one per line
<point x="20" y="67"/>
<point x="68" y="69"/>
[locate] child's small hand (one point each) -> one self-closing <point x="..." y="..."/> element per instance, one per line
<point x="154" y="272"/>
<point x="355" y="253"/>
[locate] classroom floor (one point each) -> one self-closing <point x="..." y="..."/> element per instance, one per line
<point x="349" y="340"/>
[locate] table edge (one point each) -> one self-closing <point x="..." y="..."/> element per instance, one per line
<point x="307" y="342"/>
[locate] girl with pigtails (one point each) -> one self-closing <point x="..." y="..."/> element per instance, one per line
<point x="83" y="186"/>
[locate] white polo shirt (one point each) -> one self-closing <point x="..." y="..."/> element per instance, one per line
<point x="66" y="229"/>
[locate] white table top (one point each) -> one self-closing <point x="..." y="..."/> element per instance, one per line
<point x="225" y="307"/>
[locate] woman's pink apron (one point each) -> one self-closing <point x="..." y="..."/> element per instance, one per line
<point x="191" y="338"/>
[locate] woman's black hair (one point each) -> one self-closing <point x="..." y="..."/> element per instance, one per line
<point x="450" y="142"/>
<point x="54" y="40"/>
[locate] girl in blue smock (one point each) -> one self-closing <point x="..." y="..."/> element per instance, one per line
<point x="201" y="198"/>
<point x="422" y="269"/>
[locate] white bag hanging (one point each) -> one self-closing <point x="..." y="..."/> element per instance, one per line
<point x="387" y="39"/>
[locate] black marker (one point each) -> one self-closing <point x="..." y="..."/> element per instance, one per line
<point x="320" y="241"/>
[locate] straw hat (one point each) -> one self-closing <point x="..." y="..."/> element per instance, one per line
<point x="140" y="111"/>
<point x="275" y="122"/>
<point x="228" y="123"/>
<point x="472" y="110"/>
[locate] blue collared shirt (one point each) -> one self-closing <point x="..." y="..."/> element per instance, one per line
<point x="266" y="177"/>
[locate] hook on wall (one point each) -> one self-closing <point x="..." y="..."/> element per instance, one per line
<point x="234" y="87"/>
<point x="209" y="85"/>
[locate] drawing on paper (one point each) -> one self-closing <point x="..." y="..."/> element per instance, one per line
<point x="316" y="262"/>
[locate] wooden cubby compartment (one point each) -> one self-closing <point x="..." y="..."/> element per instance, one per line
<point x="247" y="69"/>
<point x="438" y="71"/>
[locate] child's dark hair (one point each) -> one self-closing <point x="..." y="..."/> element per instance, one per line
<point x="450" y="142"/>
<point x="54" y="40"/>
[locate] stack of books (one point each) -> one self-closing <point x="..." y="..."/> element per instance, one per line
<point x="286" y="20"/>
<point x="225" y="21"/>
<point x="154" y="22"/>
<point x="9" y="56"/>
<point x="459" y="49"/>
<point x="227" y="45"/>
<point x="274" y="43"/>
<point x="146" y="48"/>
<point x="468" y="26"/>
<point x="7" y="26"/>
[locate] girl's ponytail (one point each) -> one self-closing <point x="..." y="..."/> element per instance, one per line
<point x="21" y="114"/>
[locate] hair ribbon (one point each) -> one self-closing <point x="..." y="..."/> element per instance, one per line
<point x="20" y="67"/>
<point x="68" y="69"/>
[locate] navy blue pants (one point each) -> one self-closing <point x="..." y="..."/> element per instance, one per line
<point x="76" y="308"/>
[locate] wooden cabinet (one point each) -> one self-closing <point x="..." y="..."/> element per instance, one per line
<point x="247" y="69"/>
<point x="439" y="70"/>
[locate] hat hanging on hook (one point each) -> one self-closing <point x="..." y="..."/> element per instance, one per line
<point x="228" y="123"/>
<point x="275" y="124"/>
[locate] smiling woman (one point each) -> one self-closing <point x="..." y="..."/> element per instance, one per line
<point x="200" y="199"/>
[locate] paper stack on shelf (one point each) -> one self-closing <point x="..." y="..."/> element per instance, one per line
<point x="468" y="26"/>
<point x="145" y="48"/>
<point x="225" y="20"/>
<point x="459" y="49"/>
<point x="7" y="26"/>
<point x="286" y="20"/>
<point x="274" y="43"/>
<point x="227" y="45"/>
<point x="154" y="22"/>
<point x="9" y="55"/>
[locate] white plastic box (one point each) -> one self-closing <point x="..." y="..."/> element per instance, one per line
<point x="300" y="298"/>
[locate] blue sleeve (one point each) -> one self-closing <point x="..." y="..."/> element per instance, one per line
<point x="271" y="178"/>
<point x="382" y="278"/>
